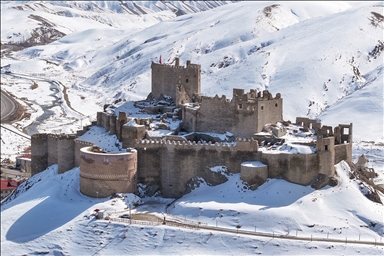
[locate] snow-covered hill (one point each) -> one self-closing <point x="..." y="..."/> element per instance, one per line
<point x="46" y="21"/>
<point x="50" y="216"/>
<point x="325" y="58"/>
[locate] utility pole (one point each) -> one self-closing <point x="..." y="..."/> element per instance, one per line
<point x="130" y="216"/>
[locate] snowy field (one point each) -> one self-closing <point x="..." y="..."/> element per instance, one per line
<point x="52" y="217"/>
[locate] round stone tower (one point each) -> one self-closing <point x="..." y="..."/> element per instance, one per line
<point x="105" y="173"/>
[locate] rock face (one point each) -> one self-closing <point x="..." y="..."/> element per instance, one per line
<point x="214" y="178"/>
<point x="362" y="160"/>
<point x="320" y="181"/>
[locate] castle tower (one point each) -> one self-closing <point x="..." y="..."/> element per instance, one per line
<point x="39" y="153"/>
<point x="105" y="173"/>
<point x="66" y="152"/>
<point x="325" y="148"/>
<point x="167" y="80"/>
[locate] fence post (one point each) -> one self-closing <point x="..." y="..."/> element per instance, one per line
<point x="255" y="229"/>
<point x="359" y="237"/>
<point x="273" y="234"/>
<point x="311" y="237"/>
<point x="345" y="240"/>
<point x="327" y="235"/>
<point x="296" y="233"/>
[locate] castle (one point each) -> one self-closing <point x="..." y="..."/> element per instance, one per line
<point x="184" y="135"/>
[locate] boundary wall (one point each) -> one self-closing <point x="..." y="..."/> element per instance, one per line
<point x="49" y="149"/>
<point x="171" y="165"/>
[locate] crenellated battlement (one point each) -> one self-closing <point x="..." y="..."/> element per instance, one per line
<point x="83" y="143"/>
<point x="40" y="136"/>
<point x="216" y="98"/>
<point x="176" y="66"/>
<point x="158" y="65"/>
<point x="253" y="95"/>
<point x="239" y="145"/>
<point x="168" y="80"/>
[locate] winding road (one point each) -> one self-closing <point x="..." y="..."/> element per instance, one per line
<point x="8" y="106"/>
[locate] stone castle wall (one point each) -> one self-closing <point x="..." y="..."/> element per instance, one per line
<point x="167" y="78"/>
<point x="254" y="173"/>
<point x="343" y="152"/>
<point x="52" y="149"/>
<point x="39" y="153"/>
<point x="49" y="149"/>
<point x="102" y="174"/>
<point x="243" y="116"/>
<point x="296" y="168"/>
<point x="79" y="144"/>
<point x="216" y="114"/>
<point x="103" y="120"/>
<point x="171" y="165"/>
<point x="66" y="152"/>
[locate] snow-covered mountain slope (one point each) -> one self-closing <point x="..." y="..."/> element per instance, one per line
<point x="325" y="58"/>
<point x="51" y="216"/>
<point x="46" y="21"/>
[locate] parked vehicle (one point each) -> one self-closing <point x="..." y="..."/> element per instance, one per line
<point x="125" y="216"/>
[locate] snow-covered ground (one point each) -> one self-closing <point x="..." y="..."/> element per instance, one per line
<point x="51" y="216"/>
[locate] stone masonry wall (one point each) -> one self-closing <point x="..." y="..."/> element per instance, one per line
<point x="52" y="149"/>
<point x="39" y="153"/>
<point x="49" y="149"/>
<point x="132" y="133"/>
<point x="166" y="79"/>
<point x="102" y="174"/>
<point x="325" y="149"/>
<point x="103" y="120"/>
<point x="173" y="164"/>
<point x="243" y="116"/>
<point x="343" y="152"/>
<point x="79" y="144"/>
<point x="295" y="168"/>
<point x="66" y="152"/>
<point x="215" y="115"/>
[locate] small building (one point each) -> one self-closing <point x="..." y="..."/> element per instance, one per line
<point x="23" y="163"/>
<point x="7" y="186"/>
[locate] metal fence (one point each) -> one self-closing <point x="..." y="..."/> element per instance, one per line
<point x="198" y="225"/>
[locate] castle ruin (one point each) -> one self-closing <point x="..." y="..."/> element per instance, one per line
<point x="185" y="134"/>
